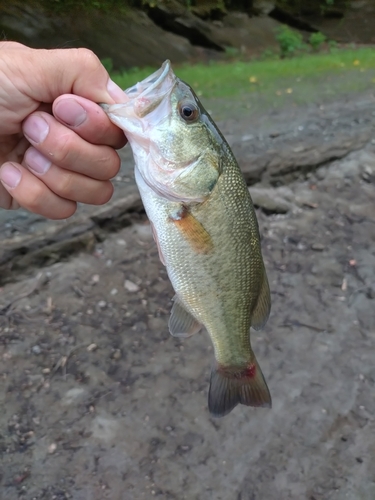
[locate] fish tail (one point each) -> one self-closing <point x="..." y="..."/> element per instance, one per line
<point x="232" y="386"/>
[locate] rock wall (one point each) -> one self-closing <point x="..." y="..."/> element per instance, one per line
<point x="167" y="29"/>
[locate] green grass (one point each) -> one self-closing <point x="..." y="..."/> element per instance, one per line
<point x="351" y="69"/>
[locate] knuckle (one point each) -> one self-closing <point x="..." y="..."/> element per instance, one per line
<point x="36" y="194"/>
<point x="65" y="151"/>
<point x="65" y="186"/>
<point x="110" y="164"/>
<point x="89" y="59"/>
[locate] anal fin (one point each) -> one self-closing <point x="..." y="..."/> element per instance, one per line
<point x="182" y="323"/>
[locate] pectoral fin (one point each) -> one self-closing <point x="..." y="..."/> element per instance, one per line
<point x="161" y="257"/>
<point x="182" y="323"/>
<point x="263" y="307"/>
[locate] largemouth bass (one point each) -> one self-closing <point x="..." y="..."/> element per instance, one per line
<point x="205" y="227"/>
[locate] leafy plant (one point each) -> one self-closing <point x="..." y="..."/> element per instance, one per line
<point x="108" y="64"/>
<point x="290" y="41"/>
<point x="316" y="40"/>
<point x="332" y="45"/>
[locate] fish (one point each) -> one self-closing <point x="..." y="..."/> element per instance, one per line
<point x="205" y="227"/>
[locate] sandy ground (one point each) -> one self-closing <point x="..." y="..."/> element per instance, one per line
<point x="100" y="402"/>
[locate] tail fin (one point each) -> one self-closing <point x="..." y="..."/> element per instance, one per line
<point x="230" y="387"/>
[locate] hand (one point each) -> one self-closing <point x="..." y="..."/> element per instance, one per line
<point x="56" y="144"/>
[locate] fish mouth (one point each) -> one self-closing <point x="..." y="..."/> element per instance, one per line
<point x="144" y="97"/>
<point x="153" y="82"/>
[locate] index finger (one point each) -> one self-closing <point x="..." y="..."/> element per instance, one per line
<point x="88" y="120"/>
<point x="44" y="74"/>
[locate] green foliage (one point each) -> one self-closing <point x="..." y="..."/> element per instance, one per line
<point x="290" y="41"/>
<point x="268" y="54"/>
<point x="332" y="45"/>
<point x="232" y="52"/>
<point x="316" y="40"/>
<point x="62" y="6"/>
<point x="108" y="64"/>
<point x="231" y="78"/>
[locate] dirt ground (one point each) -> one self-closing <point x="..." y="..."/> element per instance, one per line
<point x="100" y="402"/>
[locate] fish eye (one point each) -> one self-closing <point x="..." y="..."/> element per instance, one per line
<point x="188" y="111"/>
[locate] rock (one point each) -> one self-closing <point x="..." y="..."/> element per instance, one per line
<point x="116" y="355"/>
<point x="367" y="173"/>
<point x="318" y="247"/>
<point x="236" y="29"/>
<point x="141" y="43"/>
<point x="263" y="7"/>
<point x="341" y="20"/>
<point x="271" y="201"/>
<point x="130" y="286"/>
<point x="36" y="349"/>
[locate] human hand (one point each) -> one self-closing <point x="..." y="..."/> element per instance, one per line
<point x="56" y="144"/>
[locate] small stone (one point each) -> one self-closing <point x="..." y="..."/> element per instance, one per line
<point x="46" y="371"/>
<point x="318" y="247"/>
<point x="52" y="448"/>
<point x="102" y="304"/>
<point x="116" y="354"/>
<point x="92" y="347"/>
<point x="247" y="137"/>
<point x="130" y="286"/>
<point x="36" y="349"/>
<point x="114" y="291"/>
<point x="95" y="278"/>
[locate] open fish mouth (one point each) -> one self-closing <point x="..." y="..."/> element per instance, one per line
<point x="152" y="83"/>
<point x="143" y="97"/>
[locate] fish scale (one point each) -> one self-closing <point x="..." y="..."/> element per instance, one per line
<point x="205" y="227"/>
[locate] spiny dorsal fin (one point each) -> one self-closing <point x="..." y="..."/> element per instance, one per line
<point x="182" y="323"/>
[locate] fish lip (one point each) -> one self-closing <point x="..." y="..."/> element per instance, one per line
<point x="152" y="82"/>
<point x="144" y="96"/>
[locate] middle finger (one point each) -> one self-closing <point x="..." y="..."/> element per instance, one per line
<point x="88" y="120"/>
<point x="66" y="149"/>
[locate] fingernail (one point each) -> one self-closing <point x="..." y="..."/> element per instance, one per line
<point x="36" y="161"/>
<point x="70" y="112"/>
<point x="115" y="92"/>
<point x="35" y="129"/>
<point x="10" y="175"/>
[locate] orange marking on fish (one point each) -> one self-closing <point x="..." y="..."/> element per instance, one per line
<point x="193" y="231"/>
